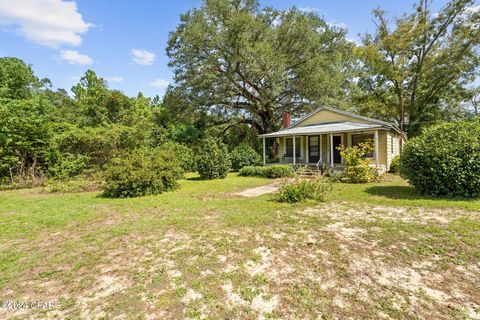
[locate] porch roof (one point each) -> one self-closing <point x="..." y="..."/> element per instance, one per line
<point x="335" y="127"/>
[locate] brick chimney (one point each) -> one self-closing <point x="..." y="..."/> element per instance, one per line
<point x="286" y="119"/>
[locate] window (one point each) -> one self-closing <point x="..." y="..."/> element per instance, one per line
<point x="362" y="138"/>
<point x="289" y="147"/>
<point x="391" y="143"/>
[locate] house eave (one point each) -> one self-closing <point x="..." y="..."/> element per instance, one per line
<point x="285" y="133"/>
<point x="346" y="113"/>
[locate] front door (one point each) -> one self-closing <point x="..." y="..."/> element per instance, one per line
<point x="313" y="149"/>
<point x="337" y="141"/>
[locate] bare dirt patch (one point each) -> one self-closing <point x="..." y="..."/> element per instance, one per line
<point x="258" y="191"/>
<point x="333" y="260"/>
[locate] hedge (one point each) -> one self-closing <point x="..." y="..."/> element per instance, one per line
<point x="445" y="160"/>
<point x="271" y="172"/>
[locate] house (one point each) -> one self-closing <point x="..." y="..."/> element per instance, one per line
<point x="314" y="139"/>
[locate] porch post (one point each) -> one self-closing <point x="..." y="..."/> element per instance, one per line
<point x="331" y="150"/>
<point x="307" y="153"/>
<point x="263" y="153"/>
<point x="294" y="152"/>
<point x="321" y="151"/>
<point x="376" y="147"/>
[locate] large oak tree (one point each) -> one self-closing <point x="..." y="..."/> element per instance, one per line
<point x="239" y="63"/>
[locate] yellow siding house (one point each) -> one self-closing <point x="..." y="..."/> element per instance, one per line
<point x="313" y="140"/>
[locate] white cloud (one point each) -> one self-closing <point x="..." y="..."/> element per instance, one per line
<point x="340" y="25"/>
<point x="355" y="41"/>
<point x="158" y="83"/>
<point x="74" y="57"/>
<point x="143" y="57"/>
<point x="48" y="22"/>
<point x="473" y="9"/>
<point x="308" y="9"/>
<point x="114" y="79"/>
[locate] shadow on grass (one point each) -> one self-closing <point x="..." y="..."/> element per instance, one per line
<point x="405" y="193"/>
<point x="394" y="192"/>
<point x="195" y="178"/>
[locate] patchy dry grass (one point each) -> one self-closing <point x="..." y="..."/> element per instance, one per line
<point x="203" y="253"/>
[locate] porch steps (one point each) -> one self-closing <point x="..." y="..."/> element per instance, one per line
<point x="309" y="172"/>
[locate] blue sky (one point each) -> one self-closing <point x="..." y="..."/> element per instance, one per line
<point x="124" y="41"/>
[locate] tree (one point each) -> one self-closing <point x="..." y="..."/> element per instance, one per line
<point x="212" y="159"/>
<point x="241" y="64"/>
<point x="17" y="80"/>
<point x="25" y="132"/>
<point x="417" y="73"/>
<point x="89" y="94"/>
<point x="98" y="105"/>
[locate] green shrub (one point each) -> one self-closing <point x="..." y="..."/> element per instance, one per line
<point x="251" y="171"/>
<point x="184" y="154"/>
<point x="395" y="165"/>
<point x="68" y="165"/>
<point x="302" y="189"/>
<point x="142" y="172"/>
<point x="271" y="172"/>
<point x="445" y="160"/>
<point x="243" y="155"/>
<point x="357" y="167"/>
<point x="212" y="160"/>
<point x="274" y="172"/>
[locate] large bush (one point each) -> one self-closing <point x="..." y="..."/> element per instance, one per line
<point x="242" y="156"/>
<point x="142" y="172"/>
<point x="301" y="189"/>
<point x="357" y="167"/>
<point x="445" y="160"/>
<point x="212" y="160"/>
<point x="184" y="154"/>
<point x="271" y="172"/>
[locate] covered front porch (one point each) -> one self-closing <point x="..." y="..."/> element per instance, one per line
<point x="317" y="145"/>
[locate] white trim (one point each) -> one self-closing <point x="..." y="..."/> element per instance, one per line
<point x="307" y="154"/>
<point x="263" y="153"/>
<point x="321" y="147"/>
<point x="331" y="151"/>
<point x="375" y="137"/>
<point x="294" y="139"/>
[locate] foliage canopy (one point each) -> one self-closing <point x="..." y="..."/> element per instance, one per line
<point x="248" y="65"/>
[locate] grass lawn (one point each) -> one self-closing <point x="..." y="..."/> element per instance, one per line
<point x="202" y="252"/>
<point x="396" y="192"/>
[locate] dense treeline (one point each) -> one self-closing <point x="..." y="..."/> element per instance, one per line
<point x="48" y="133"/>
<point x="238" y="67"/>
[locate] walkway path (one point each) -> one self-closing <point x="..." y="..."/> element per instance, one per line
<point x="258" y="191"/>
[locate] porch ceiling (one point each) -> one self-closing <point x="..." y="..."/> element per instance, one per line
<point x="336" y="127"/>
